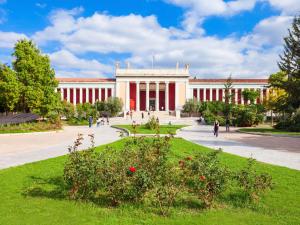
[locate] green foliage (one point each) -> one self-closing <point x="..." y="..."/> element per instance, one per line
<point x="9" y="89"/>
<point x="30" y="127"/>
<point x="252" y="183"/>
<point x="152" y="123"/>
<point x="68" y="110"/>
<point x="30" y="86"/>
<point x="290" y="66"/>
<point x="250" y="95"/>
<point x="191" y="106"/>
<point x="247" y="115"/>
<point x="291" y="123"/>
<point x="205" y="176"/>
<point x="112" y="106"/>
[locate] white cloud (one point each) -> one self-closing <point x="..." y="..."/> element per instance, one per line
<point x="288" y="7"/>
<point x="8" y="39"/>
<point x="68" y="63"/>
<point x="142" y="37"/>
<point x="41" y="5"/>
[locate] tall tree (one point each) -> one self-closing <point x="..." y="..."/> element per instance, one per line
<point x="290" y="65"/>
<point x="33" y="70"/>
<point x="228" y="96"/>
<point x="9" y="89"/>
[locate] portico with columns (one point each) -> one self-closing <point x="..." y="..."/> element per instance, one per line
<point x="152" y="89"/>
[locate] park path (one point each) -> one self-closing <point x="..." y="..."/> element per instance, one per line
<point x="282" y="151"/>
<point x="18" y="149"/>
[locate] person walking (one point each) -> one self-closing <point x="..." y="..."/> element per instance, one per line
<point x="142" y="115"/>
<point x="90" y="121"/>
<point x="131" y="115"/>
<point x="227" y="123"/>
<point x="107" y="120"/>
<point x="216" y="128"/>
<point x="98" y="122"/>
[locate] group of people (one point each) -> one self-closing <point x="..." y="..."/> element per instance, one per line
<point x="99" y="121"/>
<point x="217" y="125"/>
<point x="130" y="113"/>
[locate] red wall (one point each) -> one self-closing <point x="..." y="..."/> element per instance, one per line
<point x="239" y="96"/>
<point x="214" y="94"/>
<point x="90" y="95"/>
<point x="172" y="96"/>
<point x="195" y="93"/>
<point x="143" y="100"/>
<point x="207" y="94"/>
<point x="102" y="94"/>
<point x="201" y="95"/>
<point x="220" y="94"/>
<point x="77" y="96"/>
<point x="71" y="94"/>
<point x="109" y="92"/>
<point x="162" y="100"/>
<point x="65" y="94"/>
<point x="233" y="96"/>
<point x="84" y="95"/>
<point x="132" y="93"/>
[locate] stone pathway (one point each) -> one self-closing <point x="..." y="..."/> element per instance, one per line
<point x="283" y="151"/>
<point x="18" y="149"/>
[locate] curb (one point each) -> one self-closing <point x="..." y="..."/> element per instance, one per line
<point x="122" y="129"/>
<point x="32" y="133"/>
<point x="268" y="134"/>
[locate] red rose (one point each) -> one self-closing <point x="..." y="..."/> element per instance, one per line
<point x="181" y="163"/>
<point x="189" y="158"/>
<point x="202" y="178"/>
<point x="132" y="169"/>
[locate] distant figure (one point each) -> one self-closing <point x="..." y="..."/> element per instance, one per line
<point x="157" y="120"/>
<point x="107" y="120"/>
<point x="227" y="123"/>
<point x="149" y="113"/>
<point x="142" y="115"/>
<point x="98" y="122"/>
<point x="131" y="115"/>
<point x="102" y="120"/>
<point x="216" y="128"/>
<point x="90" y="121"/>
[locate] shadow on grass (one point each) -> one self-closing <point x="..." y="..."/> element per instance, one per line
<point x="53" y="187"/>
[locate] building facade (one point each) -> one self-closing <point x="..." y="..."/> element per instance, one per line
<point x="155" y="89"/>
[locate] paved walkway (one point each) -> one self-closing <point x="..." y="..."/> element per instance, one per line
<point x="18" y="149"/>
<point x="283" y="151"/>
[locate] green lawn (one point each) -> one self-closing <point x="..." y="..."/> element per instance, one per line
<point x="47" y="204"/>
<point x="164" y="129"/>
<point x="29" y="128"/>
<point x="269" y="131"/>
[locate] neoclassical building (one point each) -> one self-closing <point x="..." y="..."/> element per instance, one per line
<point x="155" y="89"/>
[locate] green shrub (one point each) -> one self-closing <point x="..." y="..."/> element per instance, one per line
<point x="152" y="124"/>
<point x="205" y="176"/>
<point x="252" y="183"/>
<point x="291" y="123"/>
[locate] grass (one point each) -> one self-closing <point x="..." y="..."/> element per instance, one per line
<point x="76" y="122"/>
<point x="33" y="194"/>
<point x="269" y="131"/>
<point x="29" y="127"/>
<point x="163" y="129"/>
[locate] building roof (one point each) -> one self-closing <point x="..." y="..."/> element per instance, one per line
<point x="152" y="72"/>
<point x="84" y="80"/>
<point x="251" y="81"/>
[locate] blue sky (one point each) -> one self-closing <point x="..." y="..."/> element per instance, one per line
<point x="86" y="38"/>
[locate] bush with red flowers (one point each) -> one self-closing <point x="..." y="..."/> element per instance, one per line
<point x="206" y="177"/>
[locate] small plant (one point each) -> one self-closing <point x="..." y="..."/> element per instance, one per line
<point x="205" y="176"/>
<point x="152" y="124"/>
<point x="253" y="183"/>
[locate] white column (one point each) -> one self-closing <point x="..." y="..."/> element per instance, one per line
<point x="210" y="94"/>
<point x="176" y="95"/>
<point x="217" y="94"/>
<point x="117" y="89"/>
<point x="80" y="95"/>
<point x="68" y="95"/>
<point x="74" y="96"/>
<point x="137" y="96"/>
<point x="167" y="96"/>
<point x="106" y="93"/>
<point x="198" y="94"/>
<point x="87" y="95"/>
<point x="93" y="95"/>
<point x="147" y="95"/>
<point x="223" y="95"/>
<point x="99" y="94"/>
<point x="157" y="97"/>
<point x="236" y="96"/>
<point x="204" y="94"/>
<point x="127" y="108"/>
<point x="62" y="94"/>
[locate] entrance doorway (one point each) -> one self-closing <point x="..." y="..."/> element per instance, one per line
<point x="152" y="104"/>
